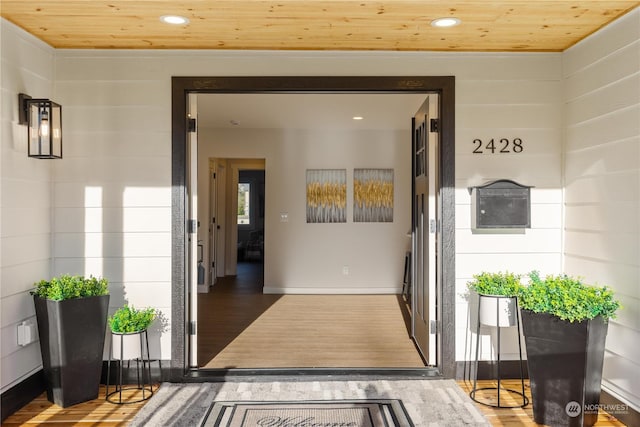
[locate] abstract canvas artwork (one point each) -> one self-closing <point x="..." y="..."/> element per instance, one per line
<point x="373" y="195"/>
<point x="326" y="195"/>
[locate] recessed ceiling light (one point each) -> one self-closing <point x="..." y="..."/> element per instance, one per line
<point x="445" y="22"/>
<point x="358" y="117"/>
<point x="174" y="19"/>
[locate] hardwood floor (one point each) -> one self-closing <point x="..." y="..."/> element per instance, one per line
<point x="239" y="327"/>
<point x="96" y="412"/>
<point x="512" y="417"/>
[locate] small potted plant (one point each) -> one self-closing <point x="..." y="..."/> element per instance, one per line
<point x="71" y="312"/>
<point x="127" y="325"/>
<point x="565" y="328"/>
<point x="496" y="301"/>
<point x="498" y="292"/>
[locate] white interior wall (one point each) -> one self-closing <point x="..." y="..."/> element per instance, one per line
<point x="25" y="200"/>
<point x="309" y="258"/>
<point x="602" y="188"/>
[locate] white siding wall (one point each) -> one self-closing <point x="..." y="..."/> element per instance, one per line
<point x="520" y="101"/>
<point x="117" y="139"/>
<point x="112" y="214"/>
<point x="602" y="173"/>
<point x="25" y="200"/>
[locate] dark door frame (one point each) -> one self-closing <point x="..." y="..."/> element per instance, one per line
<point x="181" y="87"/>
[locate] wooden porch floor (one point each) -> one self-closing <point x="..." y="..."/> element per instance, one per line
<point x="368" y="331"/>
<point x="516" y="417"/>
<point x="96" y="412"/>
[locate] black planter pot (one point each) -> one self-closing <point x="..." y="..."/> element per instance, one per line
<point x="565" y="368"/>
<point x="72" y="334"/>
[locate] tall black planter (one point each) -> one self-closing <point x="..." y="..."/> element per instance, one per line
<point x="565" y="368"/>
<point x="72" y="334"/>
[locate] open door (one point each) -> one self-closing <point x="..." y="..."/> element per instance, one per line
<point x="192" y="231"/>
<point x="213" y="221"/>
<point x="425" y="228"/>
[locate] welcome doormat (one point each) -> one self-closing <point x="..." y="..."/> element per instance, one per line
<point x="322" y="413"/>
<point x="429" y="402"/>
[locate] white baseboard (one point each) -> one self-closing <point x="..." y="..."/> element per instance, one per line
<point x="332" y="291"/>
<point x="203" y="289"/>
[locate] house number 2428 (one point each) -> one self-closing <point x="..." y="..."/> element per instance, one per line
<point x="502" y="145"/>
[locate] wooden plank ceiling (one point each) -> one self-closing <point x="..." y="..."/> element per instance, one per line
<point x="520" y="26"/>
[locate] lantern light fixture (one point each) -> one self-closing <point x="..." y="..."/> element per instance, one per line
<point x="43" y="118"/>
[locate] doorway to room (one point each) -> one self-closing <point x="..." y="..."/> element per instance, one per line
<point x="235" y="247"/>
<point x="231" y="216"/>
<point x="250" y="217"/>
<point x="444" y="88"/>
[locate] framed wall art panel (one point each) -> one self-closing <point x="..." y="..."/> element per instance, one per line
<point x="326" y="195"/>
<point x="373" y="195"/>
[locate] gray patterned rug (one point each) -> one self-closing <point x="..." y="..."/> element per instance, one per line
<point x="428" y="403"/>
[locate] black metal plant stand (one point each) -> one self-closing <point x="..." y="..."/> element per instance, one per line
<point x="145" y="387"/>
<point x="472" y="394"/>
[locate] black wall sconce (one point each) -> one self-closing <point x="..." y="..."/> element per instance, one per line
<point x="44" y="123"/>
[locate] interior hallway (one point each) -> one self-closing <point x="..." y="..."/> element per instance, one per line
<point x="240" y="327"/>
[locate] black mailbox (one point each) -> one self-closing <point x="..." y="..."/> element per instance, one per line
<point x="501" y="204"/>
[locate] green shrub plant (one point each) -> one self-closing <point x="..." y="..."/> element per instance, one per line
<point x="501" y="284"/>
<point x="567" y="298"/>
<point x="129" y="319"/>
<point x="67" y="287"/>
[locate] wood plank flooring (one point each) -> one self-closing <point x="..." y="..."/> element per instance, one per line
<point x="239" y="327"/>
<point x="96" y="412"/>
<point x="512" y="417"/>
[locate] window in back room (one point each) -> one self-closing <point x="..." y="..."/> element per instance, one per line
<point x="244" y="203"/>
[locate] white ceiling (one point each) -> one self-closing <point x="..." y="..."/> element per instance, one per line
<point x="308" y="111"/>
